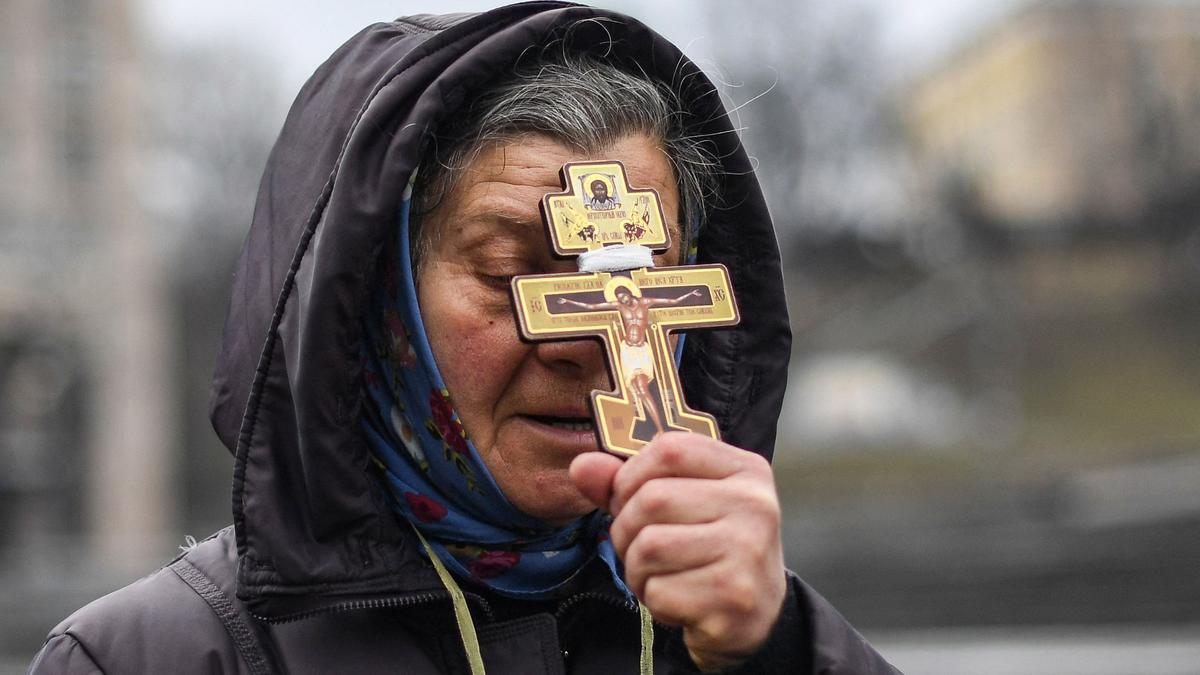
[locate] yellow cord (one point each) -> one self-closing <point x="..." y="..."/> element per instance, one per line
<point x="466" y="629"/>
<point x="647" y="656"/>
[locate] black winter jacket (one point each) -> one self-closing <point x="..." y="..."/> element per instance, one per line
<point x="316" y="574"/>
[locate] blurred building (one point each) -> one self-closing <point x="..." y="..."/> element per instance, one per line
<point x="1062" y="142"/>
<point x="1080" y="113"/>
<point x="1056" y="189"/>
<point x="84" y="406"/>
<point x="1010" y="421"/>
<point x="127" y="176"/>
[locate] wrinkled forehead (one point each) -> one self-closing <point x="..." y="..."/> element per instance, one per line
<point x="583" y="101"/>
<point x="505" y="181"/>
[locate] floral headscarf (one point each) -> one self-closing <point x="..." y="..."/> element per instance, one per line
<point x="432" y="471"/>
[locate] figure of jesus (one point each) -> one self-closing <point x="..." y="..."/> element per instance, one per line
<point x="637" y="359"/>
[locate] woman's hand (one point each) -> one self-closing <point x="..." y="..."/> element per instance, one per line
<point x="697" y="526"/>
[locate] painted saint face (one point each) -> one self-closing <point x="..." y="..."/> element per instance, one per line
<point x="523" y="405"/>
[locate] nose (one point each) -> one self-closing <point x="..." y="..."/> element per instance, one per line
<point x="581" y="359"/>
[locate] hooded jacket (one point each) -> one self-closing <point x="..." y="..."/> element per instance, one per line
<point x="316" y="574"/>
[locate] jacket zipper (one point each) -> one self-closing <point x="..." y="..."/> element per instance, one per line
<point x="607" y="599"/>
<point x="375" y="603"/>
<point x="430" y="596"/>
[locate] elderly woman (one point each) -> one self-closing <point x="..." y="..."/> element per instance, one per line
<point x="417" y="489"/>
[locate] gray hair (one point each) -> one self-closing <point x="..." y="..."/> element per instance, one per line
<point x="585" y="104"/>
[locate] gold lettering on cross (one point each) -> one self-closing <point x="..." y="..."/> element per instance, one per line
<point x="631" y="312"/>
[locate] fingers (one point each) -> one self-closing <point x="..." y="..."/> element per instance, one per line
<point x="673" y="525"/>
<point x="662" y="550"/>
<point x="724" y="622"/>
<point x="697" y="526"/>
<point x="684" y="455"/>
<point x="674" y="601"/>
<point x="726" y="607"/>
<point x="592" y="473"/>
<point x="682" y="501"/>
<point x="609" y="482"/>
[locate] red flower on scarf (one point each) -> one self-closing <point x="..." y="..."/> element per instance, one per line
<point x="425" y="509"/>
<point x="448" y="428"/>
<point x="369" y="374"/>
<point x="400" y="352"/>
<point x="491" y="564"/>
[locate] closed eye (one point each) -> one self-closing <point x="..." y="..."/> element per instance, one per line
<point x="498" y="281"/>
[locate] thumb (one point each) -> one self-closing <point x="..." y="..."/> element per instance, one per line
<point x="592" y="473"/>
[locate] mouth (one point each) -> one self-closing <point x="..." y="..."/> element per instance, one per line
<point x="576" y="424"/>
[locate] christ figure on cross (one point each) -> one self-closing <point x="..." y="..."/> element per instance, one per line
<point x="637" y="359"/>
<point x="632" y="311"/>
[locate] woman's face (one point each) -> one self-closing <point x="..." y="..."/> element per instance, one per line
<point x="524" y="405"/>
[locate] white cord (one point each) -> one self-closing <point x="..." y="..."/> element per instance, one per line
<point x="616" y="258"/>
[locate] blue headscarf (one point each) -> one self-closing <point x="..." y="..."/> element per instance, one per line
<point x="431" y="470"/>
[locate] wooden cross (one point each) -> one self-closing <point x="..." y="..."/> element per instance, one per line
<point x="632" y="312"/>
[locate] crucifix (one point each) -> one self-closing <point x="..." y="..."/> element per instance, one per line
<point x="632" y="311"/>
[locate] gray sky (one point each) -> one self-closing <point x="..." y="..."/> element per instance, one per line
<point x="298" y="34"/>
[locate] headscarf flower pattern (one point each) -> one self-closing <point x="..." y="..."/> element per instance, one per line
<point x="432" y="472"/>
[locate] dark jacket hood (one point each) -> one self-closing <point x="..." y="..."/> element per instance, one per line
<point x="311" y="523"/>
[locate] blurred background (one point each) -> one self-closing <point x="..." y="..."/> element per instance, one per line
<point x="990" y="216"/>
